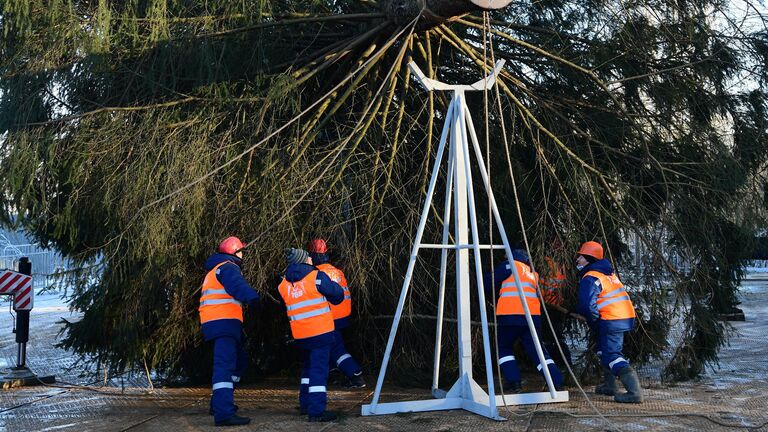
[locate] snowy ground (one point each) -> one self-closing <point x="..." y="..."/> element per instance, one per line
<point x="732" y="397"/>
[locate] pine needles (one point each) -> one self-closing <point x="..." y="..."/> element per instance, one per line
<point x="644" y="129"/>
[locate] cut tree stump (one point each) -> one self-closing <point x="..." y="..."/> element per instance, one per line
<point x="435" y="12"/>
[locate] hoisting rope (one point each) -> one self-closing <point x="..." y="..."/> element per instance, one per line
<point x="487" y="167"/>
<point x="488" y="31"/>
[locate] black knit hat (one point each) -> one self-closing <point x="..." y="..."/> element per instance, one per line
<point x="295" y="256"/>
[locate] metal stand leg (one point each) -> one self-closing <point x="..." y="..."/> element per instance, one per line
<point x="463" y="315"/>
<point x="411" y="264"/>
<point x="465" y="393"/>
<point x="492" y="199"/>
<point x="493" y="411"/>
<point x="443" y="266"/>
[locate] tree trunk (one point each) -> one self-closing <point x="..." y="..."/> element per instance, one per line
<point x="436" y="11"/>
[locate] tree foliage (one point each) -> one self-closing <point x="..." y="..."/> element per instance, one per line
<point x="139" y="133"/>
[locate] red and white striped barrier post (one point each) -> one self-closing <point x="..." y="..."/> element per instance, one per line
<point x="19" y="285"/>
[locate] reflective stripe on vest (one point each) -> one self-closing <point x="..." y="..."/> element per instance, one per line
<point x="308" y="310"/>
<point x="219" y="302"/>
<point x="306" y="303"/>
<point x="613" y="302"/>
<point x="509" y="299"/>
<point x="343" y="309"/>
<point x="515" y="294"/>
<point x="215" y="303"/>
<point x="310" y="314"/>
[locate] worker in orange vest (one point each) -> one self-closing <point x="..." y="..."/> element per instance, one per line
<point x="340" y="358"/>
<point x="222" y="297"/>
<point x="511" y="322"/>
<point x="308" y="294"/>
<point x="605" y="304"/>
<point x="552" y="286"/>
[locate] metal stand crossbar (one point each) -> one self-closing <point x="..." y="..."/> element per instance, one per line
<point x="465" y="393"/>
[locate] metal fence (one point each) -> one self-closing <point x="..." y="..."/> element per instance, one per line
<point x="48" y="267"/>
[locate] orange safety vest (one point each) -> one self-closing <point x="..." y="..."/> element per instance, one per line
<point x="552" y="286"/>
<point x="613" y="301"/>
<point x="215" y="303"/>
<point x="509" y="301"/>
<point x="308" y="310"/>
<point x="343" y="309"/>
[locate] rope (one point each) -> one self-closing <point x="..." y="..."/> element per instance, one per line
<point x="490" y="217"/>
<point x="525" y="236"/>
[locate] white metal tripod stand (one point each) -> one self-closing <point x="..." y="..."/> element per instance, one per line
<point x="465" y="392"/>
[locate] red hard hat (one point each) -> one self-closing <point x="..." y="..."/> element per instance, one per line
<point x="317" y="246"/>
<point x="592" y="249"/>
<point x="230" y="245"/>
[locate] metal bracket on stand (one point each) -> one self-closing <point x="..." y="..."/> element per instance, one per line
<point x="465" y="393"/>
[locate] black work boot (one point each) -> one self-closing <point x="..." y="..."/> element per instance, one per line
<point x="356" y="382"/>
<point x="631" y="382"/>
<point x="235" y="420"/>
<point x="608" y="386"/>
<point x="326" y="416"/>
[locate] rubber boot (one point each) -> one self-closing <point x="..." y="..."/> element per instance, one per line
<point x="235" y="420"/>
<point x="631" y="382"/>
<point x="608" y="386"/>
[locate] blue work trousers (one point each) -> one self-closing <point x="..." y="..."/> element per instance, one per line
<point x="314" y="377"/>
<point x="508" y="335"/>
<point x="341" y="358"/>
<point x="609" y="347"/>
<point x="229" y="361"/>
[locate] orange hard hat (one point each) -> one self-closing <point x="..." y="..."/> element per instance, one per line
<point x="231" y="245"/>
<point x="592" y="249"/>
<point x="317" y="246"/>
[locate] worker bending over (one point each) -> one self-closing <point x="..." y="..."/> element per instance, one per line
<point x="222" y="297"/>
<point x="511" y="321"/>
<point x="609" y="312"/>
<point x="308" y="294"/>
<point x="340" y="358"/>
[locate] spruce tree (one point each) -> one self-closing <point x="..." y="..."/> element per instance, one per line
<point x="137" y="134"/>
